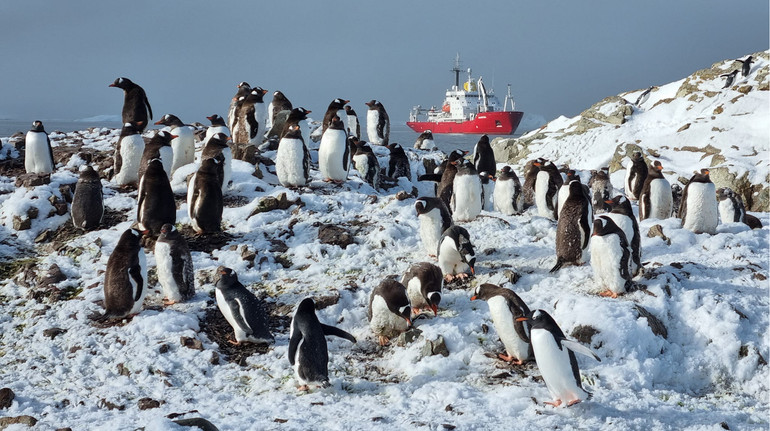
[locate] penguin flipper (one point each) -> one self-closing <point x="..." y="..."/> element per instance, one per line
<point x="253" y="125"/>
<point x="239" y="315"/>
<point x="337" y="332"/>
<point x="683" y="204"/>
<point x="346" y="157"/>
<point x="558" y="265"/>
<point x="579" y="348"/>
<point x="296" y="337"/>
<point x="135" y="274"/>
<point x="50" y="153"/>
<point x="147" y="102"/>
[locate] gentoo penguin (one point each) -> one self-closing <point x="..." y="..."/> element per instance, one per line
<point x="389" y="311"/>
<point x="159" y="147"/>
<point x="425" y="141"/>
<point x="698" y="210"/>
<point x="308" y="353"/>
<point x="509" y="198"/>
<point x="487" y="191"/>
<point x="217" y="126"/>
<point x="297" y="117"/>
<point x="336" y="108"/>
<point x="423" y="283"/>
<point x="38" y="155"/>
<point x="434" y="219"/>
<point x="656" y="199"/>
<point x="292" y="160"/>
<point x="175" y="266"/>
<point x="125" y="280"/>
<point x="556" y="360"/>
<point x="354" y="126"/>
<point x="377" y="123"/>
<point x="610" y="257"/>
<point x="732" y="209"/>
<point x="564" y="189"/>
<point x="367" y="165"/>
<point x="333" y="153"/>
<point x="644" y="96"/>
<point x="623" y="216"/>
<point x="243" y="88"/>
<point x="398" y="164"/>
<point x="531" y="169"/>
<point x="573" y="229"/>
<point x="601" y="188"/>
<point x="279" y="103"/>
<point x="128" y="154"/>
<point x="746" y="68"/>
<point x="445" y="187"/>
<point x="466" y="193"/>
<point x="636" y="174"/>
<point x="87" y="203"/>
<point x="217" y="148"/>
<point x="505" y="306"/>
<point x="250" y="118"/>
<point x="729" y="78"/>
<point x="183" y="143"/>
<point x="155" y="199"/>
<point x="484" y="157"/>
<point x="676" y="192"/>
<point x="204" y="197"/>
<point x="456" y="257"/>
<point x="546" y="189"/>
<point x="136" y="107"/>
<point x="242" y="309"/>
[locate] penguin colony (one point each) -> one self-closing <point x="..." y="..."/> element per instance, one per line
<point x="465" y="189"/>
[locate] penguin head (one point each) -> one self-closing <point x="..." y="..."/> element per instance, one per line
<point x="575" y="188"/>
<point x="132" y="128"/>
<point x="637" y="155"/>
<point x="540" y="319"/>
<point x="294" y="132"/>
<point x="372" y="104"/>
<point x="336" y="123"/>
<point x="572" y="176"/>
<point x="225" y="278"/>
<point x="349" y="110"/>
<point x="456" y="155"/>
<point x="166" y="229"/>
<point x="243" y="84"/>
<point x="122" y="83"/>
<point x="483" y="140"/>
<point x="37" y="126"/>
<point x="599" y="226"/>
<point x="395" y="148"/>
<point x="434" y="299"/>
<point x="338" y="103"/>
<point x="216" y="120"/>
<point x="421" y="206"/>
<point x="724" y="193"/>
<point x="483" y="291"/>
<point x="163" y="138"/>
<point x="307" y="305"/>
<point x="257" y="94"/>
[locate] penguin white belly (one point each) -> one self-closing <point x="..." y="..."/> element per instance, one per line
<point x="139" y="303"/>
<point x="37" y="158"/>
<point x="385" y="322"/>
<point x="165" y="267"/>
<point x="131" y="149"/>
<point x="466" y="198"/>
<point x="625" y="224"/>
<point x="430" y="230"/>
<point x="352" y="125"/>
<point x="606" y="257"/>
<point x="289" y="163"/>
<point x="344" y="118"/>
<point x="213" y="130"/>
<point x="183" y="147"/>
<point x="541" y="190"/>
<point x="190" y="194"/>
<point x="260" y="113"/>
<point x="331" y="155"/>
<point x="240" y="334"/>
<point x="361" y="163"/>
<point x="701" y="208"/>
<point x="372" y="120"/>
<point x="555" y="367"/>
<point x="166" y="159"/>
<point x="448" y="256"/>
<point x="489" y="191"/>
<point x="661" y="199"/>
<point x="727" y="211"/>
<point x="414" y="292"/>
<point x="627" y="181"/>
<point x="562" y="197"/>
<point x="504" y="191"/>
<point x="298" y="359"/>
<point x="227" y="168"/>
<point x="502" y="318"/>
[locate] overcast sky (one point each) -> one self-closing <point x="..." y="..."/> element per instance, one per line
<point x="58" y="57"/>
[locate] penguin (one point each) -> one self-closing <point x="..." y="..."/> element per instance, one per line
<point x="398" y="164"/>
<point x="434" y="218"/>
<point x="377" y="123"/>
<point x="505" y="307"/>
<point x="297" y="117"/>
<point x="456" y="257"/>
<point x="367" y="165"/>
<point x="243" y="89"/>
<point x="564" y="189"/>
<point x="445" y="188"/>
<point x="389" y="311"/>
<point x="136" y="107"/>
<point x="217" y="126"/>
<point x="204" y="197"/>
<point x="128" y="154"/>
<point x="623" y="216"/>
<point x="509" y="198"/>
<point x="610" y="257"/>
<point x="279" y="103"/>
<point x="38" y="155"/>
<point x="531" y="170"/>
<point x="636" y="174"/>
<point x="333" y="153"/>
<point x="676" y="192"/>
<point x="546" y="189"/>
<point x="125" y="280"/>
<point x="242" y="309"/>
<point x="656" y="199"/>
<point x="292" y="160"/>
<point x="466" y="198"/>
<point x="644" y="96"/>
<point x="175" y="265"/>
<point x="250" y="118"/>
<point x="698" y="210"/>
<point x="729" y="78"/>
<point x="731" y="208"/>
<point x="155" y="199"/>
<point x="183" y="143"/>
<point x="573" y="229"/>
<point x="487" y="191"/>
<point x="555" y="358"/>
<point x="159" y="147"/>
<point x="88" y="200"/>
<point x="484" y="157"/>
<point x="217" y="148"/>
<point x="746" y="68"/>
<point x="354" y="126"/>
<point x="425" y="141"/>
<point x="423" y="283"/>
<point x="601" y="188"/>
<point x="336" y="109"/>
<point x="308" y="353"/>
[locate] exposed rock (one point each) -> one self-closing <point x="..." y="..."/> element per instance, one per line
<point x="270" y="203"/>
<point x="53" y="332"/>
<point x="327" y="300"/>
<point x="148" y="403"/>
<point x="334" y="235"/>
<point x="21" y="223"/>
<point x="657" y="327"/>
<point x="6" y="398"/>
<point x="657" y="230"/>
<point x="756" y="197"/>
<point x="435" y="347"/>
<point x="32" y="180"/>
<point x="15" y="420"/>
<point x="408" y="336"/>
<point x="584" y="333"/>
<point x="201" y="423"/>
<point x="191" y="343"/>
<point x="613" y="110"/>
<point x="624" y="152"/>
<point x="509" y="150"/>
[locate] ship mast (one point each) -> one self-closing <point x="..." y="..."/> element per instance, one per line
<point x="457" y="71"/>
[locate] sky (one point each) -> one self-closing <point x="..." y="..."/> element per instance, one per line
<point x="58" y="58"/>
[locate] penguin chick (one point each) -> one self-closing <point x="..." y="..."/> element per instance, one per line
<point x="367" y="165"/>
<point x="456" y="257"/>
<point x="88" y="200"/>
<point x="125" y="280"/>
<point x="242" y="309"/>
<point x="175" y="265"/>
<point x="573" y="229"/>
<point x="389" y="310"/>
<point x="398" y="164"/>
<point x="423" y="283"/>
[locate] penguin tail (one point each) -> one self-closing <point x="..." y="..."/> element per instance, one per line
<point x="559" y="264"/>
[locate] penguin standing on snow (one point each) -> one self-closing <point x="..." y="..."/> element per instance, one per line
<point x="155" y="199"/>
<point x="125" y="280"/>
<point x="505" y="307"/>
<point x="175" y="266"/>
<point x="466" y="193"/>
<point x="434" y="219"/>
<point x="732" y="209"/>
<point x="333" y="152"/>
<point x="159" y="147"/>
<point x="546" y="189"/>
<point x="531" y="170"/>
<point x="425" y="141"/>
<point x="456" y="256"/>
<point x="564" y="190"/>
<point x="730" y="78"/>
<point x="423" y="283"/>
<point x="250" y="118"/>
<point x="509" y="198"/>
<point x="279" y="103"/>
<point x="243" y="89"/>
<point x="308" y="353"/>
<point x="136" y="107"/>
<point x="610" y="257"/>
<point x="128" y="154"/>
<point x="377" y="123"/>
<point x="623" y="216"/>
<point x="292" y="160"/>
<point x="746" y="68"/>
<point x="335" y="109"/>
<point x="487" y="190"/>
<point x="698" y="210"/>
<point x="556" y="360"/>
<point x="398" y="165"/>
<point x="389" y="311"/>
<point x="204" y="197"/>
<point x="573" y="229"/>
<point x="242" y="309"/>
<point x="484" y="157"/>
<point x="354" y="126"/>
<point x="636" y="174"/>
<point x="88" y="202"/>
<point x="367" y="165"/>
<point x="217" y="148"/>
<point x="601" y="188"/>
<point x="656" y="199"/>
<point x="38" y="155"/>
<point x="183" y="143"/>
<point x="445" y="188"/>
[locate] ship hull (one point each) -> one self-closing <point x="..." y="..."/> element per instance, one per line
<point x="491" y="123"/>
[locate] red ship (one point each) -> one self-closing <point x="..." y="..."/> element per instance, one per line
<point x="467" y="109"/>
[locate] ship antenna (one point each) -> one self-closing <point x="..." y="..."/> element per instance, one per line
<point x="456" y="69"/>
<point x="508" y="97"/>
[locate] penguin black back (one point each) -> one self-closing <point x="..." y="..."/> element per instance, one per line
<point x="136" y="107"/>
<point x="87" y="203"/>
<point x="484" y="157"/>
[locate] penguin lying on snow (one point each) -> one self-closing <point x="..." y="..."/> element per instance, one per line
<point x="389" y="310"/>
<point x="38" y="155"/>
<point x="175" y="266"/>
<point x="308" y="353"/>
<point x="425" y="141"/>
<point x="505" y="307"/>
<point x="610" y="257"/>
<point x="456" y="257"/>
<point x="243" y="311"/>
<point x="423" y="283"/>
<point x="434" y="219"/>
<point x="125" y="281"/>
<point x="732" y="209"/>
<point x="87" y="202"/>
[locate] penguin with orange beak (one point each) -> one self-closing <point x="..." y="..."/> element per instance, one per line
<point x="389" y="312"/>
<point x="423" y="283"/>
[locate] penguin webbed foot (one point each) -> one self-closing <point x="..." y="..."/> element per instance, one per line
<point x="510" y="358"/>
<point x="167" y="302"/>
<point x="555" y="403"/>
<point x="303" y="388"/>
<point x="382" y="340"/>
<point x="448" y="278"/>
<point x="609" y="294"/>
<point x="573" y="402"/>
